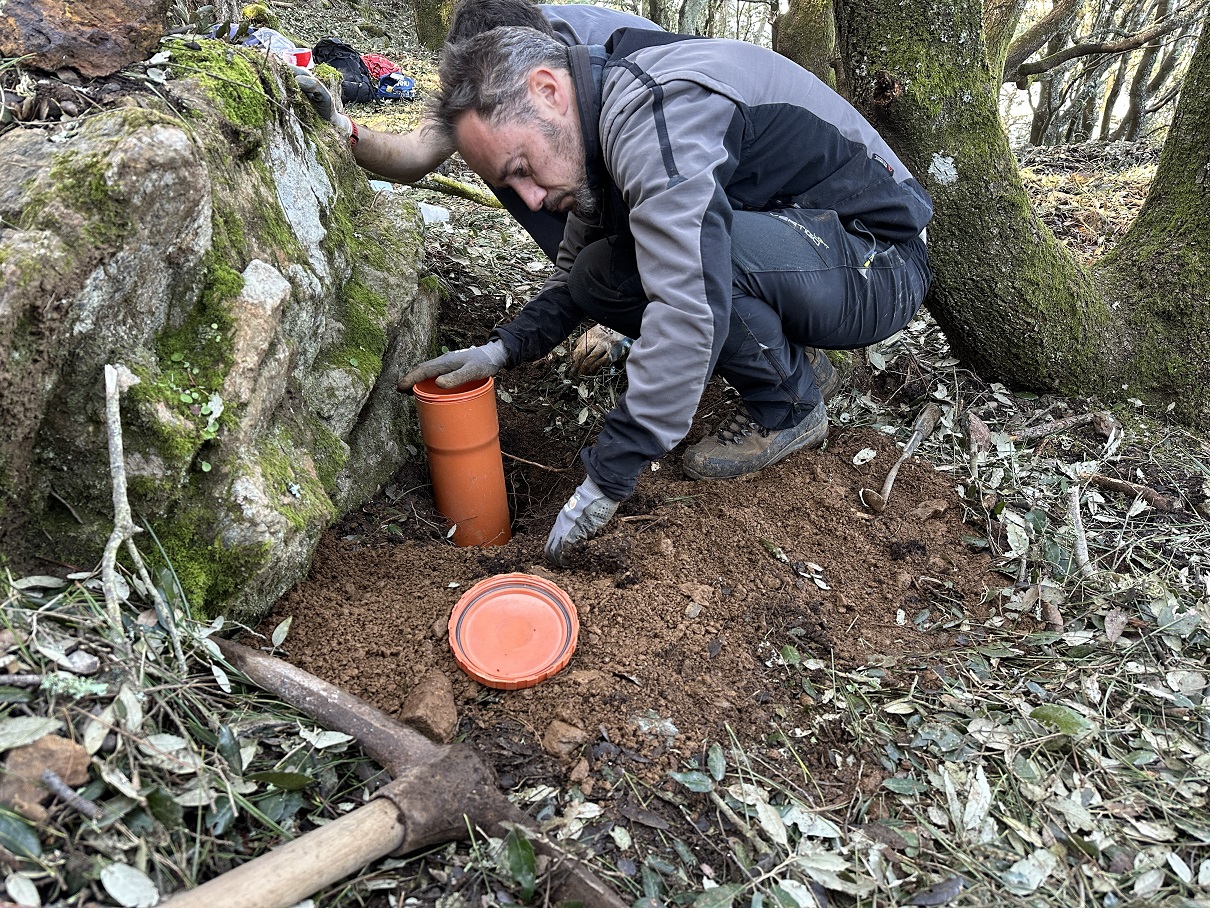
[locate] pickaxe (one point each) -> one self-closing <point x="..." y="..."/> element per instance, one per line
<point x="437" y="793"/>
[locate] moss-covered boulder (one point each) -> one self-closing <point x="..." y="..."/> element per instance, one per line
<point x="221" y="243"/>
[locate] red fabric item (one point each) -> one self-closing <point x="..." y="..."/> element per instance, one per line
<point x="379" y="66"/>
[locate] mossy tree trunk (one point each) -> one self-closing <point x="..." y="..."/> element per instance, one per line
<point x="806" y="33"/>
<point x="432" y="21"/>
<point x="1012" y="301"/>
<point x="1158" y="276"/>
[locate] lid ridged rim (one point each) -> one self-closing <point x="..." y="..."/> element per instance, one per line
<point x="549" y="593"/>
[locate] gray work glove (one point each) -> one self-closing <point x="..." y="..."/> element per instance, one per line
<point x="459" y="366"/>
<point x="321" y="99"/>
<point x="597" y="348"/>
<point x="584" y="515"/>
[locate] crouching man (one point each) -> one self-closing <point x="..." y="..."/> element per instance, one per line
<point x="726" y="210"/>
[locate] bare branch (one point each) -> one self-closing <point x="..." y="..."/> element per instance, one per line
<point x="61" y="790"/>
<point x="1088" y="49"/>
<point x="1033" y="38"/>
<point x="1077" y="524"/>
<point x="117" y="380"/>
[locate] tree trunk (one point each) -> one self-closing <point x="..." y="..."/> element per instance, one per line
<point x="1012" y="301"/>
<point x="1000" y="20"/>
<point x="657" y="13"/>
<point x="1159" y="273"/>
<point x="1111" y="97"/>
<point x="806" y="33"/>
<point x="432" y="21"/>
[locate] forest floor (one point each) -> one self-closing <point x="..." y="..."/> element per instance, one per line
<point x="778" y="696"/>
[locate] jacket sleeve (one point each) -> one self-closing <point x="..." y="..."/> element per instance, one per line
<point x="670" y="151"/>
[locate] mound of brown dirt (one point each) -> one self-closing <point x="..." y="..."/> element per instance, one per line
<point x="685" y="601"/>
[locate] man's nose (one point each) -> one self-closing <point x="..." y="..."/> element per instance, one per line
<point x="531" y="194"/>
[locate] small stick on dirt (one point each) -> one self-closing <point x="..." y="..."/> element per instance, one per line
<point x="530" y="463"/>
<point x="117" y="380"/>
<point x="437" y="183"/>
<point x="1148" y="494"/>
<point x="21" y="680"/>
<point x="61" y="790"/>
<point x="1077" y="523"/>
<point x="1049" y="428"/>
<point x="748" y="832"/>
<point x="922" y="429"/>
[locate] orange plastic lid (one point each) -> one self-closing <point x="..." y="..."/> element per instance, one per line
<point x="513" y="630"/>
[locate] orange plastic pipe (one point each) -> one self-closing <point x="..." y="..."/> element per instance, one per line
<point x="462" y="436"/>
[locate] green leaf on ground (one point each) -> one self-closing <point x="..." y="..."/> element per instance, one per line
<point x="694" y="780"/>
<point x="1063" y="719"/>
<point x="286" y="781"/>
<point x="719" y="897"/>
<point x="716" y="762"/>
<point x="905" y="786"/>
<point x="19" y="837"/>
<point x="522" y="865"/>
<point x="22" y="730"/>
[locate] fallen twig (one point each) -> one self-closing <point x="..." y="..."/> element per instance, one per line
<point x="741" y="824"/>
<point x="61" y="790"/>
<point x="437" y="183"/>
<point x="1049" y="428"/>
<point x="117" y="380"/>
<point x="1077" y="523"/>
<point x="531" y="463"/>
<point x="1149" y="495"/>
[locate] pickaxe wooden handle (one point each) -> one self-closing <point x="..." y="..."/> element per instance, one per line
<point x="437" y="793"/>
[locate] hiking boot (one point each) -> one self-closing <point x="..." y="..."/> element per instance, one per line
<point x="741" y="445"/>
<point x="826" y="378"/>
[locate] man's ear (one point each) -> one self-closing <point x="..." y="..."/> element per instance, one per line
<point x="547" y="90"/>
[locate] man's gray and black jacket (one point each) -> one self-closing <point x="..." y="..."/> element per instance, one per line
<point x="679" y="132"/>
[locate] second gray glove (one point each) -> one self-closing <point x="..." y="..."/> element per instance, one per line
<point x="584" y="515"/>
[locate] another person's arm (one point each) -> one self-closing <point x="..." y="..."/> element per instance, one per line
<point x="402" y="158"/>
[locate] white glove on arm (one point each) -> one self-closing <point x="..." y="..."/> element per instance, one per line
<point x="584" y="515"/>
<point x="321" y="99"/>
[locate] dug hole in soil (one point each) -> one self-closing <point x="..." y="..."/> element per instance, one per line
<point x="685" y="601"/>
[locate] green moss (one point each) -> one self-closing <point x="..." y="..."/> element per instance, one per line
<point x="430" y="283"/>
<point x="229" y="75"/>
<point x="79" y="183"/>
<point x="271" y="225"/>
<point x="329" y="454"/>
<point x="301" y="495"/>
<point x="209" y="572"/>
<point x="230" y="241"/>
<point x="328" y="74"/>
<point x="258" y="14"/>
<point x="362" y="312"/>
<point x="175" y="444"/>
<point x="194" y="360"/>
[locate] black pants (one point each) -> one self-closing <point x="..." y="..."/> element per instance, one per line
<point x="546" y="227"/>
<point x="798" y="279"/>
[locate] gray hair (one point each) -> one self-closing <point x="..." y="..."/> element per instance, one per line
<point x="489" y="75"/>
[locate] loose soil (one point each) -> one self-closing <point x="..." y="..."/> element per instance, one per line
<point x="685" y="602"/>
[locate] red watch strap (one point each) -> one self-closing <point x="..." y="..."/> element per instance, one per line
<point x="353" y="137"/>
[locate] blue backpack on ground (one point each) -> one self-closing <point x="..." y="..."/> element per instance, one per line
<point x="395" y="87"/>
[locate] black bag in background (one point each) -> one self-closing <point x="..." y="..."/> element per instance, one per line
<point x="356" y="84"/>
